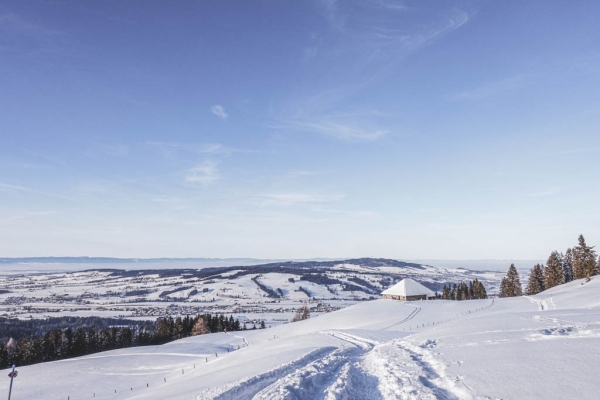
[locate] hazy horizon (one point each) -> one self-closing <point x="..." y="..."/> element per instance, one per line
<point x="47" y="264"/>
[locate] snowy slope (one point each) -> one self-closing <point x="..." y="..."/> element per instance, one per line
<point x="539" y="347"/>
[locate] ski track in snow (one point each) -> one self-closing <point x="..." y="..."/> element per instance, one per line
<point x="319" y="379"/>
<point x="408" y="318"/>
<point x="239" y="337"/>
<point x="248" y="388"/>
<point x="542" y="304"/>
<point x="358" y="369"/>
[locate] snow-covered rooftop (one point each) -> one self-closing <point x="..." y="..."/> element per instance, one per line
<point x="408" y="287"/>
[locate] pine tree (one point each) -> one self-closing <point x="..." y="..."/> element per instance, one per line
<point x="502" y="287"/>
<point x="446" y="293"/>
<point x="553" y="274"/>
<point x="3" y="356"/>
<point x="535" y="283"/>
<point x="584" y="260"/>
<point x="482" y="291"/>
<point x="162" y="331"/>
<point x="567" y="265"/>
<point x="511" y="284"/>
<point x="79" y="342"/>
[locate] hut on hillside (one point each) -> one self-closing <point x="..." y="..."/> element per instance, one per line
<point x="408" y="290"/>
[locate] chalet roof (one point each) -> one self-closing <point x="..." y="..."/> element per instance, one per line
<point x="408" y="287"/>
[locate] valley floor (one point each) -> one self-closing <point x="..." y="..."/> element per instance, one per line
<point x="538" y="347"/>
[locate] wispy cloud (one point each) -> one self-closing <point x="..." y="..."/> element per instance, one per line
<point x="219" y="111"/>
<point x="488" y="89"/>
<point x="205" y="174"/>
<point x="112" y="150"/>
<point x="544" y="193"/>
<point x="304" y="173"/>
<point x="23" y="189"/>
<point x="297" y="198"/>
<point x="29" y="214"/>
<point x="168" y="149"/>
<point x="334" y="129"/>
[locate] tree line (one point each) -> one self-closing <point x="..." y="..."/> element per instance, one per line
<point x="577" y="262"/>
<point x="463" y="291"/>
<point x="59" y="344"/>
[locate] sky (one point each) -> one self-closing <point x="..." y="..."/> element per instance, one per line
<point x="299" y="129"/>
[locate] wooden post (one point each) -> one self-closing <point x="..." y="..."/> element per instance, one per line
<point x="11" y="381"/>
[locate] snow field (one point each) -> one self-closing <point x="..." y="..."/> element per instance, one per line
<point x="480" y="349"/>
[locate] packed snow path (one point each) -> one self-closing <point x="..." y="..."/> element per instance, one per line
<point x="540" y="347"/>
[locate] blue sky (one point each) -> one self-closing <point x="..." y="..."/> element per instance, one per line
<point x="298" y="129"/>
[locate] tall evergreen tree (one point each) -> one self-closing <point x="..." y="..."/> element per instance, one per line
<point x="3" y="356"/>
<point x="567" y="265"/>
<point x="584" y="260"/>
<point x="553" y="274"/>
<point x="502" y="287"/>
<point x="511" y="283"/>
<point x="535" y="282"/>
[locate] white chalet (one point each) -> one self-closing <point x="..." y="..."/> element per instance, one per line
<point x="408" y="290"/>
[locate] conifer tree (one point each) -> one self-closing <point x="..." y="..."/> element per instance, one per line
<point x="567" y="265"/>
<point x="553" y="274"/>
<point x="3" y="356"/>
<point x="511" y="283"/>
<point x="535" y="282"/>
<point x="481" y="293"/>
<point x="584" y="260"/>
<point x="502" y="287"/>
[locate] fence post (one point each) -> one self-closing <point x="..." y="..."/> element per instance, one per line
<point x="11" y="381"/>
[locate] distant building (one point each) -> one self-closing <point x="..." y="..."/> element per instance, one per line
<point x="408" y="290"/>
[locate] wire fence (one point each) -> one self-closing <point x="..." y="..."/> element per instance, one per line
<point x="166" y="378"/>
<point x="456" y="316"/>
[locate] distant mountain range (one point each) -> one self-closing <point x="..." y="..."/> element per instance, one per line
<point x="110" y="260"/>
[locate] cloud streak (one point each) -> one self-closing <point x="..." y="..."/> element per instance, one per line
<point x="22" y="189"/>
<point x="333" y="129"/>
<point x="298" y="198"/>
<point x="204" y="174"/>
<point x="219" y="111"/>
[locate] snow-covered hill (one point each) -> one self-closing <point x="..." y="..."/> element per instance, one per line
<point x="540" y="347"/>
